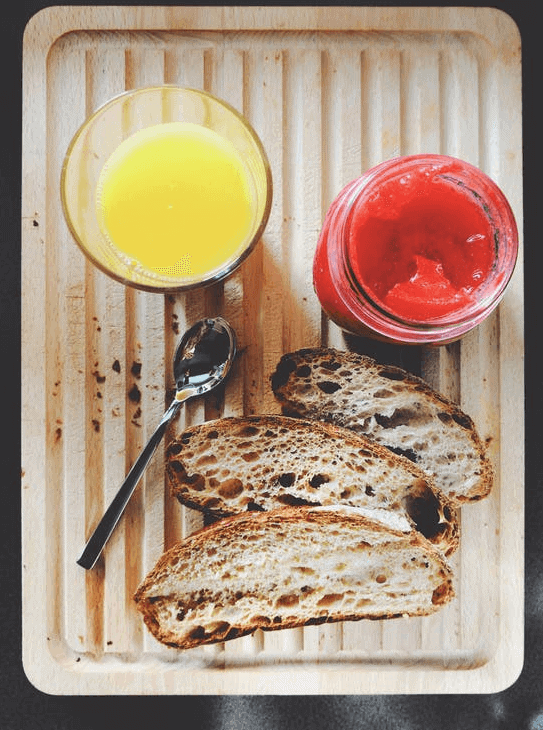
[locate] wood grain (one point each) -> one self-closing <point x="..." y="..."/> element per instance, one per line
<point x="330" y="92"/>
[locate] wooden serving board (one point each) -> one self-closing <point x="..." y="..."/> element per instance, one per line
<point x="330" y="91"/>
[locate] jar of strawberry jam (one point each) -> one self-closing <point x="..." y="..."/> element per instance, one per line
<point x="419" y="250"/>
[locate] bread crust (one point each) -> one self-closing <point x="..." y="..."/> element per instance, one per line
<point x="256" y="463"/>
<point x="385" y="402"/>
<point x="186" y="614"/>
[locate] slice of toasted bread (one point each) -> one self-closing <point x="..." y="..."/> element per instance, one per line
<point x="391" y="406"/>
<point x="290" y="567"/>
<point x="233" y="465"/>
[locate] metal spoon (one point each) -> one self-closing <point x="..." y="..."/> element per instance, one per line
<point x="202" y="361"/>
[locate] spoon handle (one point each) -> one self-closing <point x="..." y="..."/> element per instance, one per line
<point x="107" y="524"/>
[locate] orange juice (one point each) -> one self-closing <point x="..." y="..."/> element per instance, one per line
<point x="176" y="199"/>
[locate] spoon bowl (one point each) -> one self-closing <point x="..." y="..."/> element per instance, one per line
<point x="203" y="357"/>
<point x="202" y="361"/>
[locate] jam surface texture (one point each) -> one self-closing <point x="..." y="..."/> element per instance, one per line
<point x="422" y="245"/>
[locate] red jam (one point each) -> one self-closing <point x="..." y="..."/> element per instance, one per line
<point x="418" y="250"/>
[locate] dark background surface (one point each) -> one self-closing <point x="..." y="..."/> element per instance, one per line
<point x="22" y="707"/>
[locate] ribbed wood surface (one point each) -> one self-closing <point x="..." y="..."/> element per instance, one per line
<point x="327" y="105"/>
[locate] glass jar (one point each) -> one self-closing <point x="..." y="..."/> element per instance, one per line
<point x="418" y="250"/>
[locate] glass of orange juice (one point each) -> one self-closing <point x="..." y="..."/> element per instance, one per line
<point x="166" y="188"/>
